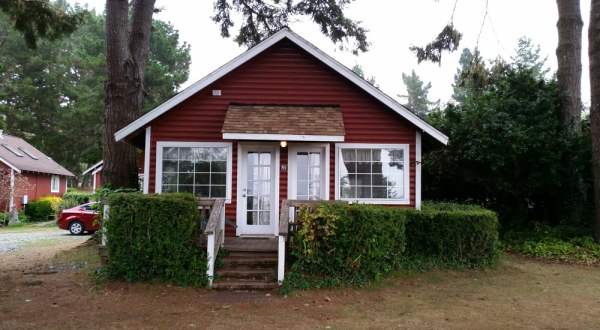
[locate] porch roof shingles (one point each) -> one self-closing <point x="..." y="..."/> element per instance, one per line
<point x="284" y="120"/>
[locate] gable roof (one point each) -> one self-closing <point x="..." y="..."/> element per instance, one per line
<point x="19" y="155"/>
<point x="256" y="50"/>
<point x="96" y="167"/>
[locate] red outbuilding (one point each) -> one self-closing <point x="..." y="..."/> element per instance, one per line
<point x="27" y="174"/>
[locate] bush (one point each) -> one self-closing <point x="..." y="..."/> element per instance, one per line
<point x="55" y="202"/>
<point x="73" y="198"/>
<point x="345" y="244"/>
<point x="453" y="234"/>
<point x="39" y="210"/>
<point x="153" y="237"/>
<point x="560" y="243"/>
<point x="341" y="244"/>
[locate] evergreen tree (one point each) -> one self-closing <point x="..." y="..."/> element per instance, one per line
<point x="417" y="93"/>
<point x="358" y="69"/>
<point x="53" y="95"/>
<point x="527" y="56"/>
<point x="470" y="76"/>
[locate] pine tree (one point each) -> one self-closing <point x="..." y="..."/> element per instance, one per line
<point x="417" y="93"/>
<point x="528" y="56"/>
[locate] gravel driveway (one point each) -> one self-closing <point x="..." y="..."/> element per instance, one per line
<point x="12" y="241"/>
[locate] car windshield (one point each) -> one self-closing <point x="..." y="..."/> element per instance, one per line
<point x="87" y="207"/>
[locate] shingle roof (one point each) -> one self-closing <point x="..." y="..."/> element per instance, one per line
<point x="19" y="154"/>
<point x="292" y="120"/>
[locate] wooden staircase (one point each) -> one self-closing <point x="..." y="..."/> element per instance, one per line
<point x="248" y="264"/>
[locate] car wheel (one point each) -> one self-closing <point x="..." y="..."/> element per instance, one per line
<point x="76" y="228"/>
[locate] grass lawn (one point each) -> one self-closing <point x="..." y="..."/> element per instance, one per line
<point x="519" y="293"/>
<point x="29" y="226"/>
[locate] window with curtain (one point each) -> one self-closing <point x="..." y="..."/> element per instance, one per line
<point x="373" y="173"/>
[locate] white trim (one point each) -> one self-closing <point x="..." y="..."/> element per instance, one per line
<point x="241" y="228"/>
<point x="282" y="137"/>
<point x="159" y="156"/>
<point x="97" y="170"/>
<point x="147" y="159"/>
<point x="52" y="190"/>
<point x="12" y="167"/>
<point x="296" y="147"/>
<point x="93" y="167"/>
<point x="94" y="182"/>
<point x="251" y="53"/>
<point x="66" y="184"/>
<point x="280" y="259"/>
<point x="418" y="171"/>
<point x="406" y="147"/>
<point x="11" y="194"/>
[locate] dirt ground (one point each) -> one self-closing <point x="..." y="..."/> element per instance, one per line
<point x="56" y="292"/>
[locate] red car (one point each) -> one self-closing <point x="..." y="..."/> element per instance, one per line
<point x="79" y="219"/>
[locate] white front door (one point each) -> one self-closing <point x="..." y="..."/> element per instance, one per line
<point x="258" y="189"/>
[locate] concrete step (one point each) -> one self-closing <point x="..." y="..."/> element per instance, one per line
<point x="259" y="274"/>
<point x="244" y="285"/>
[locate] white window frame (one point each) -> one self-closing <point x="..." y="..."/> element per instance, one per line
<point x="382" y="201"/>
<point x="52" y="178"/>
<point x="160" y="145"/>
<point x="308" y="147"/>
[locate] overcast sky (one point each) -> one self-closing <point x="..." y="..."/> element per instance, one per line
<point x="394" y="25"/>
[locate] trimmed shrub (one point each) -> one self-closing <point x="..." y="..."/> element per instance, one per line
<point x="154" y="238"/>
<point x="54" y="201"/>
<point x="73" y="198"/>
<point x="345" y="244"/>
<point x="453" y="234"/>
<point x="39" y="210"/>
<point x="342" y="244"/>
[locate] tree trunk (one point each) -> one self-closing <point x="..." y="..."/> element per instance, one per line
<point x="594" y="56"/>
<point x="126" y="53"/>
<point x="568" y="54"/>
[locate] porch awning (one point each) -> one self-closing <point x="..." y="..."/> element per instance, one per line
<point x="283" y="123"/>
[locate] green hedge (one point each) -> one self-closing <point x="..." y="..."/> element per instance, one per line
<point x="453" y="234"/>
<point x="153" y="238"/>
<point x="345" y="244"/>
<point x="73" y="198"/>
<point x="39" y="210"/>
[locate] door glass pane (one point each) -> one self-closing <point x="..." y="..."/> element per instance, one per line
<point x="252" y="218"/>
<point x="258" y="188"/>
<point x="308" y="175"/>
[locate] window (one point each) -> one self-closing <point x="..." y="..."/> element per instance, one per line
<point x="203" y="169"/>
<point x="55" y="184"/>
<point x="373" y="173"/>
<point x="308" y="175"/>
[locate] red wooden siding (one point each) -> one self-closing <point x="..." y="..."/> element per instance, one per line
<point x="39" y="186"/>
<point x="283" y="74"/>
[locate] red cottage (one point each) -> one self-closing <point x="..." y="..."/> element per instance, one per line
<point x="282" y="121"/>
<point x="27" y="174"/>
